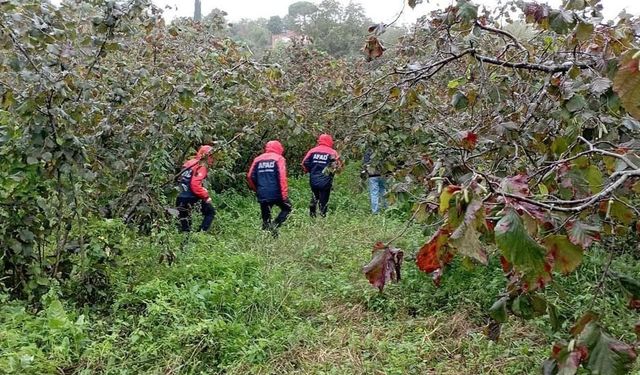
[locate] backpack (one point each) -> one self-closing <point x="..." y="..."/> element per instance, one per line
<point x="183" y="178"/>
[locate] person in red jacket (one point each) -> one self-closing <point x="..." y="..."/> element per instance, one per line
<point x="192" y="190"/>
<point x="267" y="176"/>
<point x="319" y="162"/>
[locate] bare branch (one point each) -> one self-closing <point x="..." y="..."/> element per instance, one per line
<point x="553" y="206"/>
<point x="564" y="67"/>
<point x="504" y="33"/>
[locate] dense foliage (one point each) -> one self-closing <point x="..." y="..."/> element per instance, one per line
<point x="523" y="135"/>
<point x="512" y="132"/>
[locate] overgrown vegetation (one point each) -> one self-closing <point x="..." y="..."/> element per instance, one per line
<point x="510" y="136"/>
<point x="239" y="301"/>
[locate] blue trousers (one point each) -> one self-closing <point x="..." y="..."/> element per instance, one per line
<point x="376" y="193"/>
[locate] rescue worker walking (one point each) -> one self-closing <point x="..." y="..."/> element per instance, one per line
<point x="192" y="190"/>
<point x="320" y="162"/>
<point x="267" y="176"/>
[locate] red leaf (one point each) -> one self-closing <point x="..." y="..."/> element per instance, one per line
<point x="518" y="185"/>
<point x="430" y="256"/>
<point x="384" y="267"/>
<point x="626" y="83"/>
<point x="506" y="266"/>
<point x="634" y="303"/>
<point x="468" y="139"/>
<point x="556" y="349"/>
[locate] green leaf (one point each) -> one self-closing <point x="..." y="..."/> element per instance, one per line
<point x="561" y="21"/>
<point x="522" y="307"/>
<point x="498" y="310"/>
<point x="553" y="317"/>
<point x="576" y="103"/>
<point x="621" y="212"/>
<point x="525" y="254"/>
<point x="606" y="354"/>
<point x="467" y="11"/>
<point x="466" y="238"/>
<point x="584" y="31"/>
<point x="566" y="256"/>
<point x="630" y="285"/>
<point x="539" y="304"/>
<point x="56" y="316"/>
<point x="469" y="245"/>
<point x="594" y="178"/>
<point x="459" y="101"/>
<point x="575" y="4"/>
<point x="26" y="235"/>
<point x="454" y="83"/>
<point x="559" y="145"/>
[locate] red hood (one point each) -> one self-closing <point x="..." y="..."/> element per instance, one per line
<point x="325" y="140"/>
<point x="275" y="147"/>
<point x="203" y="150"/>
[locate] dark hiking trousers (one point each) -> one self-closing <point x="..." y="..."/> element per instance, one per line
<point x="265" y="211"/>
<point x="184" y="213"/>
<point x="319" y="197"/>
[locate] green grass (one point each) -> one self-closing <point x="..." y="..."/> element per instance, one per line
<point x="238" y="301"/>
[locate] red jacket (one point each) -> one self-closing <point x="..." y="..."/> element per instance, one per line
<point x="195" y="173"/>
<point x="267" y="175"/>
<point x="317" y="159"/>
<point x="198" y="175"/>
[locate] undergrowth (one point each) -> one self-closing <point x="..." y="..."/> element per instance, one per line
<point x="238" y="301"/>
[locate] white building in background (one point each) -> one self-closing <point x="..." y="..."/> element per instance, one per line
<point x="289" y="36"/>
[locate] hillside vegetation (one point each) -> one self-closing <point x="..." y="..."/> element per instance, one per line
<point x="509" y="136"/>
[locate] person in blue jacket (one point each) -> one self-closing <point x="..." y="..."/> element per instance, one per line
<point x="267" y="176"/>
<point x="319" y="162"/>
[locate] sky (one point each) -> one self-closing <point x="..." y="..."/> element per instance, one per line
<point x="378" y="10"/>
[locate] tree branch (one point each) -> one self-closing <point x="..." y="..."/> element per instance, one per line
<point x="587" y="203"/>
<point x="564" y="67"/>
<point x="504" y="33"/>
